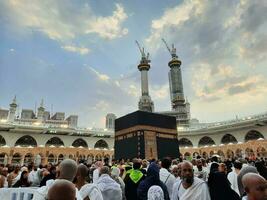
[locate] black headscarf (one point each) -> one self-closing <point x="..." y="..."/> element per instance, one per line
<point x="151" y="179"/>
<point x="220" y="188"/>
<point x="22" y="182"/>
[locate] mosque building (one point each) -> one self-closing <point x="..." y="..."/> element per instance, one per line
<point x="45" y="137"/>
<point x="37" y="136"/>
<point x="244" y="137"/>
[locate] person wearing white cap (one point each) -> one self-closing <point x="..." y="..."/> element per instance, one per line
<point x="155" y="193"/>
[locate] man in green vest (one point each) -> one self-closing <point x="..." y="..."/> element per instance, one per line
<point x="133" y="179"/>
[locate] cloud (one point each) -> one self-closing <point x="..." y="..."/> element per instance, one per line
<point x="64" y="22"/>
<point x="173" y="17"/>
<point x="224" y="82"/>
<point x="160" y="92"/>
<point x="101" y="77"/>
<point x="79" y="50"/>
<point x="11" y="50"/>
<point x="109" y="27"/>
<point x="236" y="89"/>
<point x="217" y="52"/>
<point x="102" y="105"/>
<point x="236" y="28"/>
<point x="133" y="91"/>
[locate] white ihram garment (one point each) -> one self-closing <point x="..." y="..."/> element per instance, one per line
<point x="168" y="179"/>
<point x="95" y="175"/>
<point x="197" y="191"/>
<point x="92" y="191"/>
<point x="42" y="192"/>
<point x="232" y="177"/>
<point x="109" y="188"/>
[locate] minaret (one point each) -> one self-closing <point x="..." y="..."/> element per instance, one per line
<point x="145" y="102"/>
<point x="41" y="110"/>
<point x="176" y="84"/>
<point x="12" y="110"/>
<point x="178" y="102"/>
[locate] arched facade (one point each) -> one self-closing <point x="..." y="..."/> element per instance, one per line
<point x="184" y="142"/>
<point x="228" y="138"/>
<point x="248" y="150"/>
<point x="26" y="141"/>
<point x="221" y="154"/>
<point x="2" y="141"/>
<point x="16" y="158"/>
<point x="80" y="143"/>
<point x="51" y="158"/>
<point x="54" y="141"/>
<point x="60" y="157"/>
<point x="206" y="141"/>
<point x="230" y="153"/>
<point x="3" y="158"/>
<point x="261" y="152"/>
<point x="28" y="158"/>
<point x="239" y="153"/>
<point x="253" y="135"/>
<point x="101" y="144"/>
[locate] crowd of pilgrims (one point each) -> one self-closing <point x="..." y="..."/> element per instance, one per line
<point x="166" y="179"/>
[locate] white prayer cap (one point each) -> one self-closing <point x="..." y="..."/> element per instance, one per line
<point x="155" y="193"/>
<point x="115" y="171"/>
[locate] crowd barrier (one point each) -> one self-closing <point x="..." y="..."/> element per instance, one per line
<point x="17" y="193"/>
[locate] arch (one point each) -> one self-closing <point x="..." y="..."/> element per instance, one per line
<point x="3" y="158"/>
<point x="26" y="141"/>
<point x="187" y="154"/>
<point x="253" y="135"/>
<point x="80" y="142"/>
<point x="101" y="144"/>
<point x="81" y="157"/>
<point x="220" y="153"/>
<point x="98" y="157"/>
<point x="230" y="153"/>
<point x="261" y="152"/>
<point x="204" y="155"/>
<point x="28" y="158"/>
<point x="195" y="154"/>
<point x="60" y="157"/>
<point x="16" y="159"/>
<point x="2" y="141"/>
<point x="239" y="153"/>
<point x="184" y="142"/>
<point x="55" y="141"/>
<point x="211" y="153"/>
<point x="228" y="138"/>
<point x="51" y="158"/>
<point x="249" y="152"/>
<point x="206" y="141"/>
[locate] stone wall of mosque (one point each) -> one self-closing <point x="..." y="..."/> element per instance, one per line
<point x="27" y="146"/>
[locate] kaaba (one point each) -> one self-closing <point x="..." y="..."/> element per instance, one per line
<point x="146" y="135"/>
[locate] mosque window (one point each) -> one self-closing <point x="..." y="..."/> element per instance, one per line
<point x="228" y="138"/>
<point x="80" y="143"/>
<point x="184" y="142"/>
<point x="55" y="141"/>
<point x="26" y="141"/>
<point x="206" y="141"/>
<point x="253" y="135"/>
<point x="101" y="144"/>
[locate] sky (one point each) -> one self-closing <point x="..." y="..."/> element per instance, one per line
<point x="81" y="57"/>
